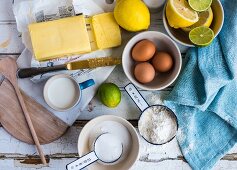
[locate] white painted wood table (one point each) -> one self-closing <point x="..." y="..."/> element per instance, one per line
<point x="16" y="155"/>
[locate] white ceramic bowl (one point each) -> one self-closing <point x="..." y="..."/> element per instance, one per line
<point x="181" y="37"/>
<point x="163" y="43"/>
<point x="84" y="143"/>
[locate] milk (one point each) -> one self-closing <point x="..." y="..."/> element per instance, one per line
<point x="63" y="93"/>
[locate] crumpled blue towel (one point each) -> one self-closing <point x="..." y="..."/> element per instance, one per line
<point x="205" y="97"/>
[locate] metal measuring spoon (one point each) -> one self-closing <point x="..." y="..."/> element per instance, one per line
<point x="101" y="144"/>
<point x="141" y="103"/>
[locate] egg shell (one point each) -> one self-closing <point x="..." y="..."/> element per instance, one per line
<point x="144" y="50"/>
<point x="144" y="72"/>
<point x="162" y="62"/>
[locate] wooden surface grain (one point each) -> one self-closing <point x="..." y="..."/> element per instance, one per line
<point x="16" y="155"/>
<point x="48" y="127"/>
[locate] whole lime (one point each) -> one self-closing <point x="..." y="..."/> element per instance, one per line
<point x="109" y="94"/>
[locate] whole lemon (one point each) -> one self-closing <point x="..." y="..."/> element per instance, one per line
<point x="109" y="94"/>
<point x="132" y="15"/>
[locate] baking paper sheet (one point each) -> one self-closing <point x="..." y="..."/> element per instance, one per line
<point x="42" y="10"/>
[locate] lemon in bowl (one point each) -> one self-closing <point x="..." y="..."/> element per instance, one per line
<point x="132" y="15"/>
<point x="180" y="14"/>
<point x="213" y="18"/>
<point x="205" y="19"/>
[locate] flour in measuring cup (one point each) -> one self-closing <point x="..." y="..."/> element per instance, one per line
<point x="157" y="125"/>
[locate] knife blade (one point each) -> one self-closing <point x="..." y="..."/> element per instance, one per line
<point x="82" y="64"/>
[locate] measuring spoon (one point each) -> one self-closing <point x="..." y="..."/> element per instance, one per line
<point x="104" y="144"/>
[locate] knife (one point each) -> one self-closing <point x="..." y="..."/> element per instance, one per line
<point x="83" y="64"/>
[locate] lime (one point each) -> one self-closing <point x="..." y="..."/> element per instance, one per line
<point x="200" y="5"/>
<point x="205" y="19"/>
<point x="201" y="36"/>
<point x="132" y="15"/>
<point x="109" y="94"/>
<point x="179" y="14"/>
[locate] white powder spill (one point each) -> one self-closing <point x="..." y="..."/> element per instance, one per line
<point x="157" y="125"/>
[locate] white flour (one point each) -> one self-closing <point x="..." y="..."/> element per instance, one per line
<point x="119" y="131"/>
<point x="108" y="147"/>
<point x="157" y="125"/>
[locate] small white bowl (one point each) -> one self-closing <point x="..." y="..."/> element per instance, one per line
<point x="84" y="143"/>
<point x="181" y="37"/>
<point x="163" y="43"/>
<point x="78" y="87"/>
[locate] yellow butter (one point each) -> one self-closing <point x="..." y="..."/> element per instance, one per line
<point x="58" y="38"/>
<point x="91" y="33"/>
<point x="106" y="30"/>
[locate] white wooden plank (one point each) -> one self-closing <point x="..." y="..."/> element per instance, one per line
<point x="179" y="164"/>
<point x="54" y="164"/>
<point x="10" y="40"/>
<point x="126" y="109"/>
<point x="6" y="14"/>
<point x="151" y="156"/>
<point x="60" y="164"/>
<point x="67" y="144"/>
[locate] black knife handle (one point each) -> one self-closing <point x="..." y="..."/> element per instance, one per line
<point x="29" y="72"/>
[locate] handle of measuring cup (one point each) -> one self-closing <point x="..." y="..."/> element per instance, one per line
<point x="136" y="96"/>
<point x="82" y="162"/>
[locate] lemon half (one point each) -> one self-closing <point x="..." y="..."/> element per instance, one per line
<point x="180" y="14"/>
<point x="205" y="19"/>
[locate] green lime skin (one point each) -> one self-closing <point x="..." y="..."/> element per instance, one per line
<point x="109" y="94"/>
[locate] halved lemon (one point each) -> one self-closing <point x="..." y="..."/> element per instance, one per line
<point x="205" y="19"/>
<point x="180" y="14"/>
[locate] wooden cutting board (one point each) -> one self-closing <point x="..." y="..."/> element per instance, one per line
<point x="47" y="126"/>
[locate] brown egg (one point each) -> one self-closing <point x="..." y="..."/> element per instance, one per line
<point x="144" y="72"/>
<point x="162" y="62"/>
<point x="143" y="50"/>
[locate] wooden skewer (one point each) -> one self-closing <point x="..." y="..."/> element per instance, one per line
<point x="30" y="124"/>
<point x="9" y="69"/>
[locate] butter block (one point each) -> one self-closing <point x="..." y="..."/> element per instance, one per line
<point x="59" y="38"/>
<point x="91" y="35"/>
<point x="106" y="30"/>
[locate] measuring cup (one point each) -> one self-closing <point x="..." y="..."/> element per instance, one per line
<point x="143" y="106"/>
<point x="102" y="146"/>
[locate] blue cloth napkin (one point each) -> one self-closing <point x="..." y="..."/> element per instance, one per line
<point x="205" y="97"/>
